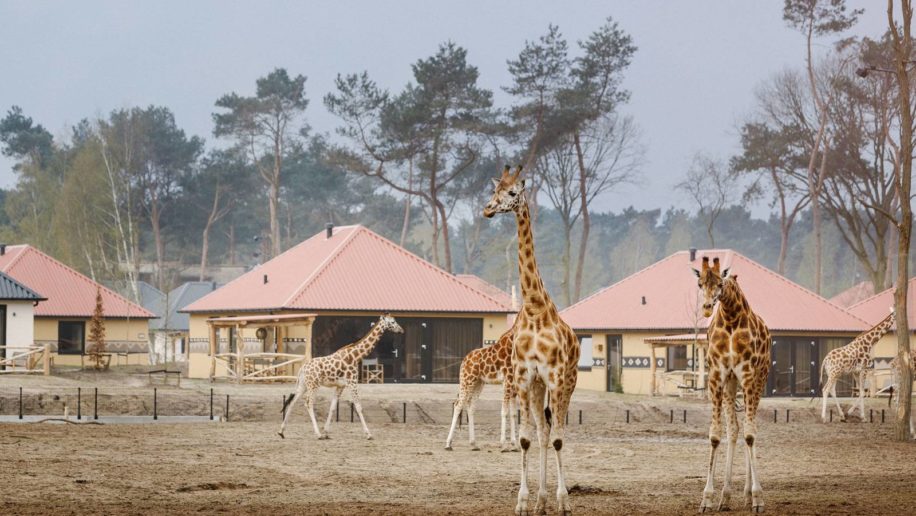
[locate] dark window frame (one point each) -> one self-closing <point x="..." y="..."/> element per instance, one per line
<point x="82" y="349"/>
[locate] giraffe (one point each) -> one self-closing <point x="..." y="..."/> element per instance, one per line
<point x="545" y="352"/>
<point x="855" y="358"/>
<point x="338" y="370"/>
<point x="739" y="356"/>
<point x="482" y="366"/>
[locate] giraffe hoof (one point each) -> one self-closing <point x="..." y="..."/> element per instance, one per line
<point x="448" y="447"/>
<point x="758" y="509"/>
<point x="368" y="437"/>
<point x="281" y="435"/>
<point x="475" y="448"/>
<point x="323" y="437"/>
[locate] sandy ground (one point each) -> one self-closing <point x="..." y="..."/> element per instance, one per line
<point x="647" y="466"/>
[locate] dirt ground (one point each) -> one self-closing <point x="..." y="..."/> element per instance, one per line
<point x="647" y="466"/>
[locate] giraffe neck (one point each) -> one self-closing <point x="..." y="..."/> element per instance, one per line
<point x="872" y="336"/>
<point x="732" y="300"/>
<point x="534" y="295"/>
<point x="368" y="342"/>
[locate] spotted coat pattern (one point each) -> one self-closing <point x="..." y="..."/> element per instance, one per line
<point x="490" y="365"/>
<point x="545" y="352"/>
<point x="738" y="357"/>
<point x="338" y="370"/>
<point x="855" y="357"/>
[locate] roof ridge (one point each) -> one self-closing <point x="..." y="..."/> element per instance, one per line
<point x="625" y="278"/>
<point x="873" y="296"/>
<point x="798" y="287"/>
<point x="297" y="293"/>
<point x="82" y="277"/>
<point x="16" y="259"/>
<point x="397" y="248"/>
<point x="20" y="285"/>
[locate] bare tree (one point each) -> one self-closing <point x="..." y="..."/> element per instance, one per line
<point x="712" y="186"/>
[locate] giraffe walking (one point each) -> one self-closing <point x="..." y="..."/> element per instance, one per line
<point x="855" y="358"/>
<point x="338" y="370"/>
<point x="545" y="352"/>
<point x="739" y="357"/>
<point x="486" y="366"/>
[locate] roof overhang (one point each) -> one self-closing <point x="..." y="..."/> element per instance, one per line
<point x="244" y="320"/>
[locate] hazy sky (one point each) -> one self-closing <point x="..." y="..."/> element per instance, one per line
<point x="692" y="79"/>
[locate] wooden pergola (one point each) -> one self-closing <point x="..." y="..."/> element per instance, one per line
<point x="696" y="339"/>
<point x="242" y="366"/>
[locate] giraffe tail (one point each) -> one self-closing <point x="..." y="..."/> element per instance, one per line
<point x="820" y="388"/>
<point x="890" y="396"/>
<point x="286" y="402"/>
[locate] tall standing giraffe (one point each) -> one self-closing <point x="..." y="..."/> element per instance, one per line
<point x="486" y="366"/>
<point x="338" y="370"/>
<point x="545" y="352"/>
<point x="855" y="358"/>
<point x="739" y="356"/>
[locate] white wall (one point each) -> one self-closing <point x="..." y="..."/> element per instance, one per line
<point x="20" y="324"/>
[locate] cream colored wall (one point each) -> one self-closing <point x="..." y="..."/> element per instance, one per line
<point x="595" y="379"/>
<point x="134" y="331"/>
<point x="887" y="346"/>
<point x="20" y="324"/>
<point x="494" y="325"/>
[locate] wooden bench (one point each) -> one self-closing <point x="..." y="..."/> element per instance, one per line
<point x="165" y="376"/>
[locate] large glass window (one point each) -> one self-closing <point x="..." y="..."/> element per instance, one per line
<point x="452" y="340"/>
<point x="585" y="351"/>
<point x="71" y="337"/>
<point x="676" y="358"/>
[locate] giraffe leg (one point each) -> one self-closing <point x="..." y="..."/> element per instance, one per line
<point x="473" y="395"/>
<point x="559" y="402"/>
<point x="826" y="395"/>
<point x="837" y="400"/>
<point x="513" y="408"/>
<point x="731" y="433"/>
<point x="503" y="413"/>
<point x="752" y="391"/>
<point x="310" y="406"/>
<point x="524" y="440"/>
<point x="354" y="395"/>
<point x="456" y="413"/>
<point x="715" y="436"/>
<point x="538" y="391"/>
<point x="332" y="409"/>
<point x="862" y="394"/>
<point x="300" y="390"/>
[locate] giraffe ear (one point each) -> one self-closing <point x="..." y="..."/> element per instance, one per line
<point x="495" y="183"/>
<point x="725" y="273"/>
<point x="696" y="272"/>
<point x="522" y="183"/>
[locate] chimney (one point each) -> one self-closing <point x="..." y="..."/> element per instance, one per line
<point x="329" y="230"/>
<point x="643" y="299"/>
<point x="693" y="253"/>
<point x="2" y="249"/>
<point x="265" y="279"/>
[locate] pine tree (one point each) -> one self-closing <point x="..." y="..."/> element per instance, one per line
<point x="97" y="330"/>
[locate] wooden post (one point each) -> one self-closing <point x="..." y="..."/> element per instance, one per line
<point x="239" y="343"/>
<point x="46" y="359"/>
<point x="652" y="372"/>
<point x="701" y="382"/>
<point x="214" y="335"/>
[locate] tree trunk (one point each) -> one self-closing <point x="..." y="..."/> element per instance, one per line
<point x="406" y="223"/>
<point x="232" y="254"/>
<point x="446" y="245"/>
<point x="903" y="50"/>
<point x="567" y="256"/>
<point x="157" y="239"/>
<point x="586" y="219"/>
<point x="274" y="209"/>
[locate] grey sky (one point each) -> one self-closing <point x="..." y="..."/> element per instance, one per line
<point x="692" y="79"/>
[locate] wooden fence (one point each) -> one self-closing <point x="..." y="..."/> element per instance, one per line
<point x="28" y="360"/>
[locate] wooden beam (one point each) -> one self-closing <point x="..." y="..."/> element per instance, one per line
<point x="652" y="372"/>
<point x="239" y="344"/>
<point x="214" y="335"/>
<point x="47" y="360"/>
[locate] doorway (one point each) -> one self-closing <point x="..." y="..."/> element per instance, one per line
<point x="614" y="343"/>
<point x="793" y="367"/>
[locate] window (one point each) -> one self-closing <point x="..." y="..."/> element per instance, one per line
<point x="585" y="351"/>
<point x="677" y="358"/>
<point x="71" y="337"/>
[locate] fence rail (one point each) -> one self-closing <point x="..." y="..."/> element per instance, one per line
<point x="25" y="360"/>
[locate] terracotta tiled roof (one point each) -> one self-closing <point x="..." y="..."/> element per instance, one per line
<point x="484" y="286"/>
<point x="12" y="290"/>
<point x="355" y="269"/>
<point x="875" y="308"/>
<point x="69" y="293"/>
<point x="852" y="295"/>
<point x="664" y="297"/>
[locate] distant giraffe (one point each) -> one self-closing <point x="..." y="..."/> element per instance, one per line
<point x="739" y="356"/>
<point x="482" y="366"/>
<point x="545" y="352"/>
<point x="855" y="358"/>
<point x="338" y="370"/>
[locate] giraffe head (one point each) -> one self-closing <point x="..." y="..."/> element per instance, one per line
<point x="710" y="280"/>
<point x="508" y="192"/>
<point x="387" y="323"/>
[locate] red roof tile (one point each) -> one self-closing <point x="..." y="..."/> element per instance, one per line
<point x="355" y="269"/>
<point x="484" y="286"/>
<point x="671" y="299"/>
<point x="858" y="292"/>
<point x="875" y="308"/>
<point x="69" y="293"/>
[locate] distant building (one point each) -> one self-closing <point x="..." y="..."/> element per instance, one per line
<point x="854" y="294"/>
<point x="657" y="311"/>
<point x="336" y="284"/>
<point x="17" y="310"/>
<point x="61" y="320"/>
<point x="169" y="331"/>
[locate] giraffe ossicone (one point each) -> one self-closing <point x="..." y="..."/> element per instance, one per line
<point x="339" y="370"/>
